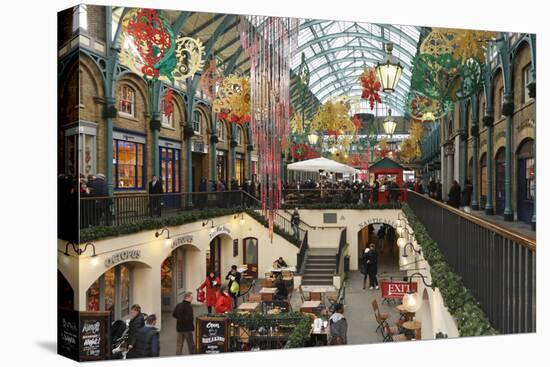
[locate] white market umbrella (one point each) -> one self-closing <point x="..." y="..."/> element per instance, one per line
<point x="321" y="164"/>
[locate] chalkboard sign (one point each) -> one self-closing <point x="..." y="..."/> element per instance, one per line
<point x="329" y="218"/>
<point x="94" y="336"/>
<point x="212" y="335"/>
<point x="67" y="333"/>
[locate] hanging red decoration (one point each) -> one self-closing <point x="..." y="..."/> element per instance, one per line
<point x="168" y="101"/>
<point x="300" y="152"/>
<point x="371" y="86"/>
<point x="356" y="120"/>
<point x="151" y="38"/>
<point x="331" y="132"/>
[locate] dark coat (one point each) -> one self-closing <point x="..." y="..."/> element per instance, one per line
<point x="237" y="279"/>
<point x="135" y="324"/>
<point x="338" y="331"/>
<point x="372" y="261"/>
<point x="147" y="343"/>
<point x="98" y="188"/>
<point x="183" y="313"/>
<point x="295" y="219"/>
<point x="454" y="196"/>
<point x="155" y="189"/>
<point x="467" y="194"/>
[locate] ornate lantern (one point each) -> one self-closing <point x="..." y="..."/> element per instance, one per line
<point x="389" y="70"/>
<point x="389" y="123"/>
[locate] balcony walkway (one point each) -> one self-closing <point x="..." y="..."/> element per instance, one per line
<point x="517" y="226"/>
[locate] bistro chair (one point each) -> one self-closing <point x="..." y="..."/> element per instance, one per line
<point x="287" y="275"/>
<point x="381" y="319"/>
<point x="304" y="295"/>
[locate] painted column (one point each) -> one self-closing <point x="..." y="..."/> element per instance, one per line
<point x="109" y="109"/>
<point x="488" y="122"/>
<point x="249" y="149"/>
<point x="188" y="133"/>
<point x="475" y="153"/>
<point x="463" y="146"/>
<point x="532" y="94"/>
<point x="155" y="128"/>
<point x="213" y="158"/>
<point x="232" y="158"/>
<point x="508" y="111"/>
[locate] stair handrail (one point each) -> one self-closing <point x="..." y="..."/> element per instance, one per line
<point x="342" y="246"/>
<point x="301" y="256"/>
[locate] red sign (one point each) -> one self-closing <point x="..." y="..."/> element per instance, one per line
<point x="396" y="288"/>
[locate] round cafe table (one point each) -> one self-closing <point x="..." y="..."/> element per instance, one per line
<point x="415" y="326"/>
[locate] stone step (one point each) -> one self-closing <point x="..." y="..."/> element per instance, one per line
<point x="320" y="269"/>
<point x="316" y="282"/>
<point x="318" y="275"/>
<point x="321" y="259"/>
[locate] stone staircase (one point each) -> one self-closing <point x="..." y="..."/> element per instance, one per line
<point x="320" y="266"/>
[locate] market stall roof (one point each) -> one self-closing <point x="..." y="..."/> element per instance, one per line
<point x="321" y="164"/>
<point x="386" y="163"/>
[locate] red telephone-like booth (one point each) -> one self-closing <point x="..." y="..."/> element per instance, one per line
<point x="388" y="168"/>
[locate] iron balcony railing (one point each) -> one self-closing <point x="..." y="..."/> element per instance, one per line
<point x="126" y="209"/>
<point x="496" y="264"/>
<point x="342" y="196"/>
<point x="301" y="256"/>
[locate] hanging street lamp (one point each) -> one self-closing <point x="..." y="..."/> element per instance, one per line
<point x="313" y="138"/>
<point x="389" y="70"/>
<point x="389" y="124"/>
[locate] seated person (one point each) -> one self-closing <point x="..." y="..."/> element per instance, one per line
<point x="281" y="263"/>
<point x="282" y="291"/>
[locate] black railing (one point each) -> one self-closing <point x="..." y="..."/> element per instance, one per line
<point x="126" y="209"/>
<point x="342" y="196"/>
<point x="497" y="265"/>
<point x="279" y="221"/>
<point x="342" y="245"/>
<point x="301" y="256"/>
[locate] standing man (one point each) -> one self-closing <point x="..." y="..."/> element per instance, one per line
<point x="185" y="325"/>
<point x="364" y="266"/>
<point x="372" y="266"/>
<point x="147" y="341"/>
<point x="137" y="321"/>
<point x="155" y="191"/>
<point x="295" y="222"/>
<point x="454" y="195"/>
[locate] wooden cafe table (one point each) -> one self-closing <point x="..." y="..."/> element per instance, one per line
<point x="316" y="292"/>
<point x="415" y="326"/>
<point x="248" y="307"/>
<point x="267" y="293"/>
<point x="404" y="314"/>
<point x="310" y="306"/>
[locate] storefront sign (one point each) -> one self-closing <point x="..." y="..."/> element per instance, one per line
<point x="169" y="144"/>
<point x="396" y="289"/>
<point x="119" y="135"/>
<point x="212" y="335"/>
<point x="216" y="231"/>
<point x="199" y="147"/>
<point x="67" y="333"/>
<point x="94" y="329"/>
<point x="122" y="256"/>
<point x="376" y="221"/>
<point x="182" y="240"/>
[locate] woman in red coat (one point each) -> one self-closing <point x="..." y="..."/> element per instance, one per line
<point x="212" y="285"/>
<point x="224" y="303"/>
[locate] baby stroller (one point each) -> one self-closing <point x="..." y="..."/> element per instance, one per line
<point x="119" y="337"/>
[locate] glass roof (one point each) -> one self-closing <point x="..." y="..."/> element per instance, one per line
<point x="338" y="51"/>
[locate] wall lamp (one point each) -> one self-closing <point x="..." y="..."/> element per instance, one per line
<point x="78" y="250"/>
<point x="204" y="224"/>
<point x="411" y="300"/>
<point x="419" y="251"/>
<point x="241" y="221"/>
<point x="165" y="229"/>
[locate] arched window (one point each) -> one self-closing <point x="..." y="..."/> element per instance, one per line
<point x="220" y="129"/>
<point x="527" y="78"/>
<point x="166" y="121"/>
<point x="197" y="122"/>
<point x="239" y="138"/>
<point x="126" y="101"/>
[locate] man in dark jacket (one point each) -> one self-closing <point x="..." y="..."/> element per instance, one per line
<point x="467" y="195"/>
<point x="137" y="321"/>
<point x="372" y="266"/>
<point x="147" y="341"/>
<point x="155" y="190"/>
<point x="454" y="195"/>
<point x="295" y="222"/>
<point x="185" y="325"/>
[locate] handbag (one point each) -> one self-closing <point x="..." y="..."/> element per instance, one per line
<point x="234" y="288"/>
<point x="200" y="296"/>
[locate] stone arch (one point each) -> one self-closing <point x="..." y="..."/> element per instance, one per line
<point x="96" y="275"/>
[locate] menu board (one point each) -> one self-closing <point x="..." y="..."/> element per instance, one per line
<point x="94" y="336"/>
<point x="67" y="333"/>
<point x="212" y="335"/>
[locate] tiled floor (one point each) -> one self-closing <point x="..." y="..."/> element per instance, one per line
<point x="358" y="311"/>
<point x="521" y="227"/>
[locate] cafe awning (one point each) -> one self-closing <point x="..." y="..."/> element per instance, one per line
<point x="321" y="165"/>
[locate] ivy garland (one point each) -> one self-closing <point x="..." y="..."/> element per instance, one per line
<point x="470" y="318"/>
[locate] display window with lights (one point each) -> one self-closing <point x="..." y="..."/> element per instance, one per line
<point x="112" y="292"/>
